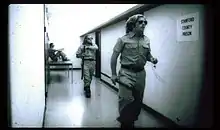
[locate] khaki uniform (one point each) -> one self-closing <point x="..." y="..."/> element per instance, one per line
<point x="135" y="52"/>
<point x="89" y="62"/>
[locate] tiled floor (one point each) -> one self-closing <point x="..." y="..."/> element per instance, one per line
<point x="67" y="106"/>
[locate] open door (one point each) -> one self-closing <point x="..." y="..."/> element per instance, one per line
<point x="98" y="54"/>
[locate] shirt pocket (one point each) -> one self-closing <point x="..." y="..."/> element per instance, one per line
<point x="145" y="48"/>
<point x="130" y="48"/>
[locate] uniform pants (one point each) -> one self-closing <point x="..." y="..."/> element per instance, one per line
<point x="130" y="101"/>
<point x="88" y="69"/>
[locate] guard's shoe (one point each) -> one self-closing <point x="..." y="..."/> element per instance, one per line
<point x="87" y="92"/>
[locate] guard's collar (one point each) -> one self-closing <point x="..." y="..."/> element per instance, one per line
<point x="132" y="34"/>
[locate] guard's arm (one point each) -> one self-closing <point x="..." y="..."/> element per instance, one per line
<point x="150" y="58"/>
<point x="79" y="52"/>
<point x="116" y="51"/>
<point x="94" y="46"/>
<point x="114" y="62"/>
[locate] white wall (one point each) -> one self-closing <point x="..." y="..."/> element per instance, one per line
<point x="26" y="42"/>
<point x="109" y="36"/>
<point x="180" y="64"/>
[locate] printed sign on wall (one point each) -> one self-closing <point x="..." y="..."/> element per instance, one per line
<point x="188" y="27"/>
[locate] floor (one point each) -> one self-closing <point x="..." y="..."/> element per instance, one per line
<point x="67" y="106"/>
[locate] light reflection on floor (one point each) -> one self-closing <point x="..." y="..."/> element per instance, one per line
<point x="67" y="106"/>
<point x="75" y="110"/>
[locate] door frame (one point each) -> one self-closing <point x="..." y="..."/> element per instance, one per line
<point x="98" y="54"/>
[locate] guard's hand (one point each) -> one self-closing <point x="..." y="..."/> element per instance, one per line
<point x="154" y="60"/>
<point x="114" y="78"/>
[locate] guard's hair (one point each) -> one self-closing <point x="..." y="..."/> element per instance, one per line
<point x="130" y="23"/>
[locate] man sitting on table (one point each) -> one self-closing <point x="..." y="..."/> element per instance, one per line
<point x="55" y="54"/>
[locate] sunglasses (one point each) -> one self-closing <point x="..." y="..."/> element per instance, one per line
<point x="140" y="22"/>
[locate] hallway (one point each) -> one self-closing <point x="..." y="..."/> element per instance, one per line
<point x="67" y="106"/>
<point x="179" y="90"/>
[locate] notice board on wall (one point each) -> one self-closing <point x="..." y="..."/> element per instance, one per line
<point x="188" y="27"/>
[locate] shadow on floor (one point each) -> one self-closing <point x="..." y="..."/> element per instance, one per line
<point x="57" y="78"/>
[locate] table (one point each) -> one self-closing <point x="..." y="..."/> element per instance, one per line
<point x="63" y="63"/>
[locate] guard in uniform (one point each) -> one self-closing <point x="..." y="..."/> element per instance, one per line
<point x="135" y="51"/>
<point x="87" y="51"/>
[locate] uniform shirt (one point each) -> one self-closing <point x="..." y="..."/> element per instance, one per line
<point x="90" y="53"/>
<point x="134" y="51"/>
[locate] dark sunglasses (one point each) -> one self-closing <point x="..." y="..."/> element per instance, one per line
<point x="90" y="38"/>
<point x="140" y="22"/>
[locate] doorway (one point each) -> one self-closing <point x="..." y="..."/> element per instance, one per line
<point x="98" y="54"/>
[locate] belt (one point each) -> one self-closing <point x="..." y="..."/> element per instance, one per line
<point x="90" y="59"/>
<point x="135" y="69"/>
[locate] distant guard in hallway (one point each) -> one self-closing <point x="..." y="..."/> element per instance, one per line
<point x="135" y="51"/>
<point x="87" y="52"/>
<point x="56" y="54"/>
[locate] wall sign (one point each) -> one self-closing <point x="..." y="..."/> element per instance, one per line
<point x="188" y="27"/>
